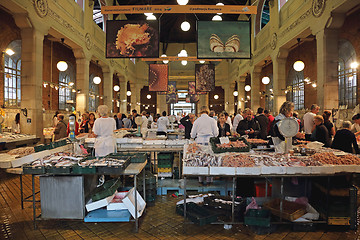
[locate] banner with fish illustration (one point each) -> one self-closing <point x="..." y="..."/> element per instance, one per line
<point x="171" y="96"/>
<point x="192" y="90"/>
<point x="132" y="39"/>
<point x="225" y="39"/>
<point x="158" y="77"/>
<point x="204" y="77"/>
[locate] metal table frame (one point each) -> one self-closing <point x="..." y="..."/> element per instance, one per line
<point x="133" y="169"/>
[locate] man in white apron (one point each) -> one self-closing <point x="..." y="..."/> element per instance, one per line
<point x="103" y="129"/>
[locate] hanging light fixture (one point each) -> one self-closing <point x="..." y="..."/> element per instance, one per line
<point x="217" y="18"/>
<point x="97" y="80"/>
<point x="219" y="4"/>
<point x="116" y="88"/>
<point x="216" y="96"/>
<point x="201" y="62"/>
<point x="9" y="52"/>
<point x="265" y="80"/>
<point x="62" y="66"/>
<point x="128" y="93"/>
<point x="299" y="65"/>
<point x="247" y="88"/>
<point x="151" y="17"/>
<point x="236" y="93"/>
<point x="183" y="53"/>
<point x="314" y="85"/>
<point x="184" y="62"/>
<point x="182" y="2"/>
<point x="148" y="14"/>
<point x="148" y="96"/>
<point x="165" y="61"/>
<point x="185" y="26"/>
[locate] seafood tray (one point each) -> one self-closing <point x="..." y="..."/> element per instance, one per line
<point x="291" y="210"/>
<point x="134" y="157"/>
<point x="105" y="190"/>
<point x="197" y="214"/>
<point x="231" y="147"/>
<point x="30" y="169"/>
<point x="109" y="165"/>
<point x="258" y="217"/>
<point x="83" y="167"/>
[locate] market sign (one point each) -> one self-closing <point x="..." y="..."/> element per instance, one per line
<point x="136" y="9"/>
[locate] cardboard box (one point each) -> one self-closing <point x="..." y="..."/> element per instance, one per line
<point x="90" y="206"/>
<point x="117" y="203"/>
<point x="129" y="202"/>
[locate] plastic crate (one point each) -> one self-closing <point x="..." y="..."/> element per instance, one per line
<point x="39" y="148"/>
<point x="165" y="156"/>
<point x="197" y="214"/>
<point x="28" y="169"/>
<point x="164" y="170"/>
<point x="258" y="217"/>
<point x="134" y="157"/>
<point x="216" y="140"/>
<point x="105" y="190"/>
<point x="260" y="189"/>
<point x="223" y="204"/>
<point x="83" y="169"/>
<point x="58" y="170"/>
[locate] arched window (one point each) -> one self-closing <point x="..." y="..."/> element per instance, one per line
<point x="265" y="14"/>
<point x="347" y="76"/>
<point x="93" y="94"/>
<point x="296" y="92"/>
<point x="97" y="16"/>
<point x="12" y="74"/>
<point x="269" y="95"/>
<point x="66" y="86"/>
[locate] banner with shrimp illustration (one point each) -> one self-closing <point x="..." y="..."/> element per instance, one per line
<point x="158" y="77"/>
<point x="132" y="39"/>
<point x="225" y="39"/>
<point x="204" y="77"/>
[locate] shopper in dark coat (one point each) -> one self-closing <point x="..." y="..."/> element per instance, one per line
<point x="345" y="140"/>
<point x="263" y="123"/>
<point x="61" y="128"/>
<point x="249" y="126"/>
<point x="321" y="133"/>
<point x="134" y="115"/>
<point x="224" y="128"/>
<point x="188" y="122"/>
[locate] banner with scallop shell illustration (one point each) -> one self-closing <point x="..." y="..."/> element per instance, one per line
<point x="225" y="39"/>
<point x="158" y="77"/>
<point x="132" y="39"/>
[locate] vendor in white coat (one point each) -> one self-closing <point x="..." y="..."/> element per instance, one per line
<point x="103" y="129"/>
<point x="162" y="124"/>
<point x="204" y="127"/>
<point x="144" y="125"/>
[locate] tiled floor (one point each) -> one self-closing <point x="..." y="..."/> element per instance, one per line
<point x="159" y="222"/>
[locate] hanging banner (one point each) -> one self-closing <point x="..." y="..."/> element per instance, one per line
<point x="136" y="9"/>
<point x="158" y="77"/>
<point x="227" y="39"/>
<point x="171" y="96"/>
<point x="192" y="97"/>
<point x="132" y="39"/>
<point x="204" y="77"/>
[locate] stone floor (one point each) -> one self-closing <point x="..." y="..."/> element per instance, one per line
<point x="159" y="222"/>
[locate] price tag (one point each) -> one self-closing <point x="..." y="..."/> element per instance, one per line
<point x="224" y="140"/>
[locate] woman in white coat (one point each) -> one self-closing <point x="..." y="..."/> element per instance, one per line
<point x="103" y="129"/>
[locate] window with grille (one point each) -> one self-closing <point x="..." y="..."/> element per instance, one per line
<point x="346" y="75"/>
<point x="93" y="94"/>
<point x="66" y="86"/>
<point x="295" y="91"/>
<point x="12" y="74"/>
<point x="265" y="14"/>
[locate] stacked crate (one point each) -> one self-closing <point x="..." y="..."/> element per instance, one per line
<point x="165" y="164"/>
<point x="150" y="187"/>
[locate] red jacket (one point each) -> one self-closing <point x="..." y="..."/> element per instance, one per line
<point x="271" y="119"/>
<point x="76" y="128"/>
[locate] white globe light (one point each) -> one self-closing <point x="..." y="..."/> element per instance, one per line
<point x="299" y="66"/>
<point x="128" y="93"/>
<point x="314" y="85"/>
<point x="219" y="4"/>
<point x="148" y="14"/>
<point x="184" y="62"/>
<point x="216" y="96"/>
<point x="148" y="96"/>
<point x="151" y="17"/>
<point x="217" y="18"/>
<point x="62" y="66"/>
<point x="183" y="53"/>
<point x="247" y="88"/>
<point x="201" y="62"/>
<point x="165" y="61"/>
<point x="182" y="2"/>
<point x="97" y="80"/>
<point x="116" y="88"/>
<point x="185" y="26"/>
<point x="265" y="80"/>
<point x="354" y="65"/>
<point x="236" y="93"/>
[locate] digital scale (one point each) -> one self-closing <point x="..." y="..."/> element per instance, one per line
<point x="172" y="119"/>
<point x="138" y="120"/>
<point x="288" y="127"/>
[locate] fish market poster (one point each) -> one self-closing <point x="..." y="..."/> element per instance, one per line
<point x="192" y="90"/>
<point x="171" y="87"/>
<point x="132" y="39"/>
<point x="204" y="77"/>
<point x="158" y="77"/>
<point x="225" y="39"/>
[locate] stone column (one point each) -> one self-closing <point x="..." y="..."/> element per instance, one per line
<point x="203" y="101"/>
<point x="123" y="96"/>
<point x="82" y="80"/>
<point x="327" y="69"/>
<point x="31" y="82"/>
<point x="241" y="89"/>
<point x="227" y="94"/>
<point x="255" y="88"/>
<point x="231" y="101"/>
<point x="161" y="104"/>
<point x="279" y="78"/>
<point x="108" y="86"/>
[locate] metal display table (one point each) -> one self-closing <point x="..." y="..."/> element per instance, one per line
<point x="134" y="169"/>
